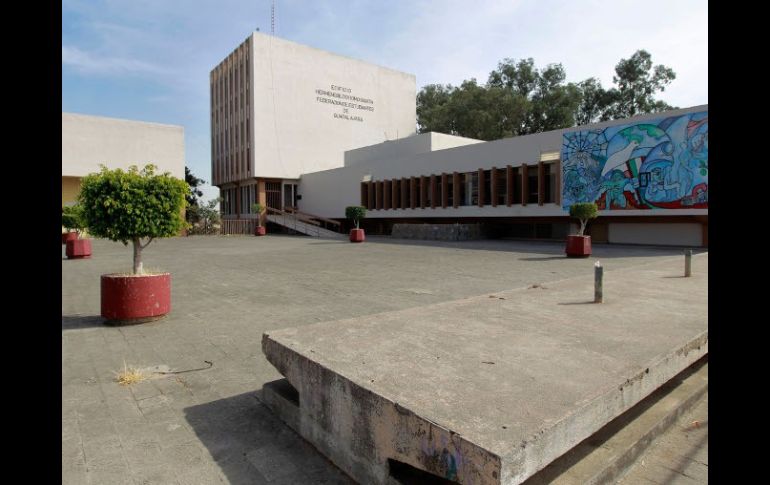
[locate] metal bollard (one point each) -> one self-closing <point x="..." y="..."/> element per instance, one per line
<point x="687" y="263"/>
<point x="598" y="282"/>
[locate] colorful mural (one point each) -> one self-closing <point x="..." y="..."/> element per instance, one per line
<point x="655" y="164"/>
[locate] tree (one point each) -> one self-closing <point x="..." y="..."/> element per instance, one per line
<point x="207" y="217"/>
<point x="129" y="206"/>
<point x="72" y="218"/>
<point x="583" y="211"/>
<point x="517" y="99"/>
<point x="356" y="213"/>
<point x="637" y="81"/>
<point x="192" y="196"/>
<point x="258" y="209"/>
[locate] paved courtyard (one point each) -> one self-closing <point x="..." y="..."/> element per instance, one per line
<point x="209" y="426"/>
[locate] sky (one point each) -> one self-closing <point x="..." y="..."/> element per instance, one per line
<point x="149" y="60"/>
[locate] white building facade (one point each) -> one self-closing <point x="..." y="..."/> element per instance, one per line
<point x="88" y="141"/>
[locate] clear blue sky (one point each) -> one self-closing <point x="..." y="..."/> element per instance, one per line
<point x="150" y="60"/>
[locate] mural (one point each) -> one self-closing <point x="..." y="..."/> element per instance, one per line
<point x="654" y="164"/>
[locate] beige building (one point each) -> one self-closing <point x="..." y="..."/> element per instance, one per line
<point x="88" y="141"/>
<point x="281" y="109"/>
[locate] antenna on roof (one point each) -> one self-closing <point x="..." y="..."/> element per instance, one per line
<point x="272" y="18"/>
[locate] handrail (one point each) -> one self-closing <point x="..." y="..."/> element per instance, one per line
<point x="313" y="216"/>
<point x="292" y="221"/>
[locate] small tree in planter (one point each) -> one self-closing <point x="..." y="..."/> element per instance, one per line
<point x="579" y="246"/>
<point x="258" y="209"/>
<point x="356" y="213"/>
<point x="131" y="206"/>
<point x="72" y="220"/>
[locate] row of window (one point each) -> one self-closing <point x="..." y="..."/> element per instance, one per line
<point x="230" y="124"/>
<point x="536" y="184"/>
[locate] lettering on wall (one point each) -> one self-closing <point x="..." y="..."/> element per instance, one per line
<point x="350" y="107"/>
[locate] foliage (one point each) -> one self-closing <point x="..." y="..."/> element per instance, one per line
<point x="356" y="213"/>
<point x="191" y="197"/>
<point x="584" y="211"/>
<point x="130" y="205"/>
<point x="207" y="218"/>
<point x="72" y="218"/>
<point x="519" y="99"/>
<point x="258" y="209"/>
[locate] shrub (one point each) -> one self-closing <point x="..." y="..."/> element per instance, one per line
<point x="355" y="213"/>
<point x="583" y="211"/>
<point x="133" y="205"/>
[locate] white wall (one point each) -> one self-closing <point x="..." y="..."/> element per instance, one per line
<point x="671" y="234"/>
<point x="413" y="145"/>
<point x="88" y="141"/>
<point x="295" y="133"/>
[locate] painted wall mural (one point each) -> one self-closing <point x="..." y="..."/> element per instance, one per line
<point x="654" y="164"/>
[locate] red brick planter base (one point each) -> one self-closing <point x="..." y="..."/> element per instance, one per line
<point x="578" y="246"/>
<point x="357" y="235"/>
<point x="135" y="299"/>
<point x="78" y="248"/>
<point x="260" y="231"/>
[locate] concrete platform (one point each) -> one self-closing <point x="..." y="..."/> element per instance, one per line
<point x="493" y="388"/>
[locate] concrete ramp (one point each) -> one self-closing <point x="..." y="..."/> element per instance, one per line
<point x="489" y="389"/>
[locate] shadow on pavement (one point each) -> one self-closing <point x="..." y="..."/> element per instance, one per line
<point x="71" y="322"/>
<point x="252" y="446"/>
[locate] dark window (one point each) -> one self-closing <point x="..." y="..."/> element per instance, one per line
<point x="532" y="185"/>
<point x="501" y="185"/>
<point x="517" y="185"/>
<point x="487" y="187"/>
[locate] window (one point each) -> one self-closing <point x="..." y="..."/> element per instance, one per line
<point x="517" y="185"/>
<point x="469" y="189"/>
<point x="532" y="185"/>
<point x="549" y="170"/>
<point x="501" y="183"/>
<point x="487" y="187"/>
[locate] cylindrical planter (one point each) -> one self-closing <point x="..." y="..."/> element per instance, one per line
<point x="78" y="248"/>
<point x="68" y="236"/>
<point x="135" y="298"/>
<point x="357" y="235"/>
<point x="578" y="246"/>
<point x="260" y="231"/>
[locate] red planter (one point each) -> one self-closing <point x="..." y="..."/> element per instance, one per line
<point x="68" y="236"/>
<point x="135" y="299"/>
<point x="357" y="235"/>
<point x="578" y="246"/>
<point x="78" y="248"/>
<point x="260" y="231"/>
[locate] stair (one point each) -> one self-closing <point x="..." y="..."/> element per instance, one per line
<point x="611" y="452"/>
<point x="290" y="221"/>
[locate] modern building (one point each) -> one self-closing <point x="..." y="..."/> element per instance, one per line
<point x="297" y="127"/>
<point x="88" y="141"/>
<point x="648" y="175"/>
<point x="281" y="109"/>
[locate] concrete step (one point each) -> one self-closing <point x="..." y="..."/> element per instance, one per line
<point x="607" y="455"/>
<point x="488" y="390"/>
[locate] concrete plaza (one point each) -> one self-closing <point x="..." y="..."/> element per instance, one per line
<point x="208" y="426"/>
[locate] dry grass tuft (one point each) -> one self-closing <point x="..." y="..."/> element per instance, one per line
<point x="130" y="375"/>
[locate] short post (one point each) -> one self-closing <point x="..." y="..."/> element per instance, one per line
<point x="598" y="283"/>
<point x="687" y="263"/>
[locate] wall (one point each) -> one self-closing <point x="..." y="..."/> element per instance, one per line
<point x="70" y="188"/>
<point x="296" y="127"/>
<point x="327" y="193"/>
<point x="673" y="234"/>
<point x="420" y="143"/>
<point x="654" y="164"/>
<point x="88" y="141"/>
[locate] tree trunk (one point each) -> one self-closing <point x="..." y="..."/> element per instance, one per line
<point x="582" y="227"/>
<point x="138" y="256"/>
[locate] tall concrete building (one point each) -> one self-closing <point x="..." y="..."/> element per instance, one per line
<point x="88" y="141"/>
<point x="281" y="109"/>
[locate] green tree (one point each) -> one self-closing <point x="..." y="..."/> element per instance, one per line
<point x="355" y="213"/>
<point x="194" y="192"/>
<point x="133" y="205"/>
<point x="637" y="81"/>
<point x="72" y="218"/>
<point x="584" y="211"/>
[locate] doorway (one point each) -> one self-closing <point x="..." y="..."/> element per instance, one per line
<point x="289" y="196"/>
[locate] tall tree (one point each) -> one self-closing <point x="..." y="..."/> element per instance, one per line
<point x="637" y="81"/>
<point x="194" y="192"/>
